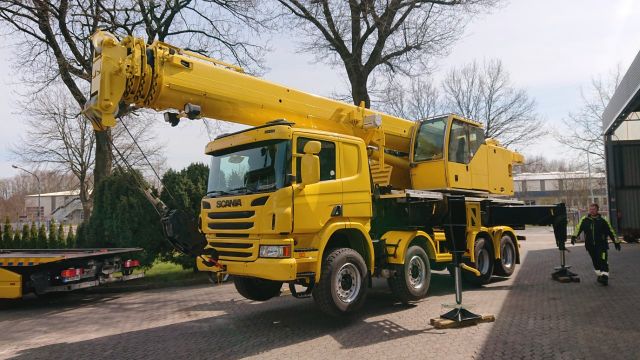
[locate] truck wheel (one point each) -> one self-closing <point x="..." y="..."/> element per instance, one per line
<point x="484" y="263"/>
<point x="342" y="288"/>
<point x="411" y="281"/>
<point x="507" y="263"/>
<point x="257" y="289"/>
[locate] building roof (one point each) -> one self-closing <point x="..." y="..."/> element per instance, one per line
<point x="557" y="175"/>
<point x="59" y="193"/>
<point x="625" y="100"/>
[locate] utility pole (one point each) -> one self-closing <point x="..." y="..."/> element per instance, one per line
<point x="39" y="191"/>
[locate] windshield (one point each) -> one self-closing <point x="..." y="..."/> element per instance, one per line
<point x="250" y="168"/>
<point x="430" y="140"/>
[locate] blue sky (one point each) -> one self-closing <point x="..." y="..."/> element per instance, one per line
<point x="550" y="48"/>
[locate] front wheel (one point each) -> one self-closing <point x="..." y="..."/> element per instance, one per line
<point x="342" y="288"/>
<point x="412" y="279"/>
<point x="485" y="262"/>
<point x="257" y="289"/>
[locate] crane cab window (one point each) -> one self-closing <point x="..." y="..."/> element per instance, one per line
<point x="430" y="140"/>
<point x="476" y="138"/>
<point x="327" y="157"/>
<point x="459" y="143"/>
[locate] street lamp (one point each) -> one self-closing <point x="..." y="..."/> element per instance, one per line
<point x="38" y="179"/>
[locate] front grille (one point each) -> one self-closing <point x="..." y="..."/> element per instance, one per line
<point x="231" y="226"/>
<point x="231" y="235"/>
<point x="231" y="245"/>
<point x="231" y="215"/>
<point x="234" y="254"/>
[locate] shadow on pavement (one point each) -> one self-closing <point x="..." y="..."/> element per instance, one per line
<point x="542" y="318"/>
<point x="245" y="328"/>
<point x="241" y="328"/>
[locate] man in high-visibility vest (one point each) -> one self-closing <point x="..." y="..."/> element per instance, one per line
<point x="597" y="232"/>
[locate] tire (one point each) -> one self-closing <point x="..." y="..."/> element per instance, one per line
<point x="412" y="279"/>
<point x="507" y="263"/>
<point x="257" y="289"/>
<point x="127" y="271"/>
<point x="342" y="288"/>
<point x="485" y="263"/>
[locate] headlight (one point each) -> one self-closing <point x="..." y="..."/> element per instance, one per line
<point x="275" y="251"/>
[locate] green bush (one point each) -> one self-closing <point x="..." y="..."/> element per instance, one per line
<point x="123" y="217"/>
<point x="184" y="190"/>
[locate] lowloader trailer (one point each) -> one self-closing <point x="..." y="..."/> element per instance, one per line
<point x="43" y="271"/>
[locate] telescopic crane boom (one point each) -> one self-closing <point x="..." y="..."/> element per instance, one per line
<point x="163" y="77"/>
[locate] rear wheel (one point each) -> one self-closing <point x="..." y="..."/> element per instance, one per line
<point x="507" y="263"/>
<point x="257" y="289"/>
<point x="485" y="261"/>
<point x="411" y="281"/>
<point x="342" y="288"/>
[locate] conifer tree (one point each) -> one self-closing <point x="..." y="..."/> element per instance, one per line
<point x="33" y="236"/>
<point x="7" y="234"/>
<point x="26" y="237"/>
<point x="42" y="237"/>
<point x="53" y="235"/>
<point x="17" y="240"/>
<point x="71" y="238"/>
<point x="60" y="236"/>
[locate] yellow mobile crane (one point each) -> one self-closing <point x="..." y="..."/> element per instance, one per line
<point x="320" y="193"/>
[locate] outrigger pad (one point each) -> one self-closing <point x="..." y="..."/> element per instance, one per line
<point x="183" y="234"/>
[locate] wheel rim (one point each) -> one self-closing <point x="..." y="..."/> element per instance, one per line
<point x="508" y="256"/>
<point x="416" y="273"/>
<point x="482" y="262"/>
<point x="348" y="283"/>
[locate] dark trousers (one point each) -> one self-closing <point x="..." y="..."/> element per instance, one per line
<point x="599" y="257"/>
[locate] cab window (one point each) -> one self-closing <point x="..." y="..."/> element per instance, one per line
<point x="458" y="143"/>
<point x="327" y="157"/>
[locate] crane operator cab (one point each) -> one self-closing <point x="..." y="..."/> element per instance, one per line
<point x="451" y="152"/>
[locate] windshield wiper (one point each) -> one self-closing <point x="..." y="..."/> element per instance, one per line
<point x="218" y="192"/>
<point x="239" y="189"/>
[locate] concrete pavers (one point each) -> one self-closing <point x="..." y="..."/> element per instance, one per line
<point x="537" y="318"/>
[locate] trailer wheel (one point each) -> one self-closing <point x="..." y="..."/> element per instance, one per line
<point x="507" y="263"/>
<point x="484" y="263"/>
<point x="257" y="289"/>
<point x="411" y="281"/>
<point x="342" y="288"/>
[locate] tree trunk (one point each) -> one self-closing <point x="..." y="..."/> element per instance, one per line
<point x="104" y="157"/>
<point x="359" y="90"/>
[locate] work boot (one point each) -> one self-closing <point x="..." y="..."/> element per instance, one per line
<point x="603" y="279"/>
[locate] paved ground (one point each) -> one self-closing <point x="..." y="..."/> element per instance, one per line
<point x="536" y="319"/>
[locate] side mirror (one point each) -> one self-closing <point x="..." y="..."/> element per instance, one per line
<point x="310" y="163"/>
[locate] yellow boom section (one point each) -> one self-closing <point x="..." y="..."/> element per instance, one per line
<point x="161" y="77"/>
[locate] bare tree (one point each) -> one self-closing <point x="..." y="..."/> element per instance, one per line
<point x="582" y="130"/>
<point x="53" y="39"/>
<point x="60" y="139"/>
<point x="483" y="92"/>
<point x="401" y="35"/>
<point x="539" y="164"/>
<point x="419" y="100"/>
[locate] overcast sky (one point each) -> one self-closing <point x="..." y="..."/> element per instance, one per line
<point x="551" y="49"/>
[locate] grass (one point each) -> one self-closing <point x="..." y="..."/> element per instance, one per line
<point x="165" y="274"/>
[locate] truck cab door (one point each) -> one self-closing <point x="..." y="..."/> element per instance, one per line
<point x="315" y="204"/>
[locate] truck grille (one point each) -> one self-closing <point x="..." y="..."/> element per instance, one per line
<point x="231" y="220"/>
<point x="233" y="225"/>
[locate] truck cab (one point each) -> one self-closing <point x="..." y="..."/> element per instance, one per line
<point x="265" y="219"/>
